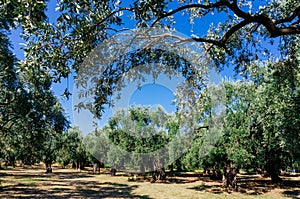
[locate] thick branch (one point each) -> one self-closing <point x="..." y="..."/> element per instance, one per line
<point x="262" y="19"/>
<point x="291" y="30"/>
<point x="211" y="41"/>
<point x="267" y="22"/>
<point x="231" y="31"/>
<point x="273" y="29"/>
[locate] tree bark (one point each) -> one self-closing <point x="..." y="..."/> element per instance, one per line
<point x="159" y="173"/>
<point x="96" y="167"/>
<point x="171" y="167"/>
<point x="113" y="171"/>
<point x="229" y="177"/>
<point x="81" y="164"/>
<point x="205" y="172"/>
<point x="11" y="161"/>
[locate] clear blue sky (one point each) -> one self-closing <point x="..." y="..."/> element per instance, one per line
<point x="154" y="94"/>
<point x="149" y="94"/>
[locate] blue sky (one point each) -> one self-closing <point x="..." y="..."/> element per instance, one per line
<point x="149" y="94"/>
<point x="154" y="94"/>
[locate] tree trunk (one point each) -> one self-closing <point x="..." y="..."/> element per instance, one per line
<point x="96" y="167"/>
<point x="77" y="165"/>
<point x="171" y="167"/>
<point x="11" y="161"/>
<point x="205" y="172"/>
<point x="159" y="173"/>
<point x="273" y="167"/>
<point x="229" y="177"/>
<point x="113" y="172"/>
<point x="81" y="165"/>
<point x="178" y="165"/>
<point x="215" y="173"/>
<point x="48" y="167"/>
<point x="274" y="174"/>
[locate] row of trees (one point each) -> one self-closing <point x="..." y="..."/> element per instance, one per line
<point x="260" y="129"/>
<point x="31" y="117"/>
<point x="67" y="149"/>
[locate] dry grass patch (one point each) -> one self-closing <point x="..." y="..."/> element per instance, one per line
<point x="33" y="182"/>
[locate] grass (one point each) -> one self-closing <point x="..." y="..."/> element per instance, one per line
<point x="33" y="182"/>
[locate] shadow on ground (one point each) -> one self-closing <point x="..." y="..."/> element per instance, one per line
<point x="253" y="186"/>
<point x="62" y="185"/>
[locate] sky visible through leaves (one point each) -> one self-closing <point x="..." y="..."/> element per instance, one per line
<point x="148" y="94"/>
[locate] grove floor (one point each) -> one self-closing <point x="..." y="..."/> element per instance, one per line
<point x="33" y="182"/>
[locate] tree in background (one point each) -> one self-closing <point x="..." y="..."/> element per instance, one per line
<point x="97" y="145"/>
<point x="275" y="118"/>
<point x="261" y="125"/>
<point x="130" y="133"/>
<point x="29" y="111"/>
<point x="72" y="149"/>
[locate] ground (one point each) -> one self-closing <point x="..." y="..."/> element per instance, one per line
<point x="33" y="182"/>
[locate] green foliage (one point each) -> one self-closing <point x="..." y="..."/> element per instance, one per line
<point x="261" y="126"/>
<point x="29" y="111"/>
<point x="138" y="130"/>
<point x="71" y="148"/>
<point x="276" y="117"/>
<point x="240" y="29"/>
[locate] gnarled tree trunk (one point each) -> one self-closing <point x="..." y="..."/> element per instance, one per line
<point x="159" y="173"/>
<point x="229" y="177"/>
<point x="96" y="167"/>
<point x="179" y="166"/>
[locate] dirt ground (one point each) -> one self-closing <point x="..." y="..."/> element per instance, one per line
<point x="33" y="182"/>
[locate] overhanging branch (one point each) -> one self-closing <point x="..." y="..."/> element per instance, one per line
<point x="261" y="19"/>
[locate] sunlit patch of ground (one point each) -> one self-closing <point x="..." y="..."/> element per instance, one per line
<point x="33" y="182"/>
